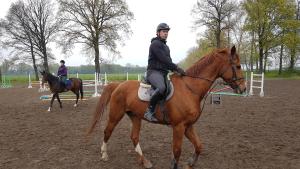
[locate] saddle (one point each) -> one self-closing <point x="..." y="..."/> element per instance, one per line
<point x="66" y="83"/>
<point x="145" y="90"/>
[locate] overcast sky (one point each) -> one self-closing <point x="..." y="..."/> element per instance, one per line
<point x="148" y="14"/>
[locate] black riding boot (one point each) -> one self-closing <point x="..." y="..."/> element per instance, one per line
<point x="149" y="114"/>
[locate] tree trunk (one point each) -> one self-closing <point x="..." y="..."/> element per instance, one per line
<point x="265" y="62"/>
<point x="45" y="56"/>
<point x="97" y="57"/>
<point x="228" y="38"/>
<point x="252" y="52"/>
<point x="256" y="64"/>
<point x="218" y="35"/>
<point x="280" y="59"/>
<point x="0" y="74"/>
<point x="33" y="61"/>
<point x="45" y="64"/>
<point x="261" y="57"/>
<point x="292" y="60"/>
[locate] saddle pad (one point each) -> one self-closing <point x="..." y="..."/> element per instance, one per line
<point x="145" y="92"/>
<point x="68" y="83"/>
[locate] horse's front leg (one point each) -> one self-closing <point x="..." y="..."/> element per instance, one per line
<point x="178" y="133"/>
<point x="191" y="134"/>
<point x="135" y="137"/>
<point x="58" y="99"/>
<point x="51" y="102"/>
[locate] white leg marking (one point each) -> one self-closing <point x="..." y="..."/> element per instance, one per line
<point x="49" y="109"/>
<point x="75" y="105"/>
<point x="104" y="155"/>
<point x="138" y="149"/>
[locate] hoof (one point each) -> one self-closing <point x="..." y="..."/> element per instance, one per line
<point x="75" y="105"/>
<point x="49" y="109"/>
<point x="192" y="160"/>
<point x="104" y="157"/>
<point x="174" y="165"/>
<point x="188" y="167"/>
<point x="147" y="164"/>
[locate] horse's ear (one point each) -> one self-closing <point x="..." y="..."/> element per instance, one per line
<point x="233" y="52"/>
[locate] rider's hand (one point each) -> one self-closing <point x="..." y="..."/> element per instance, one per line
<point x="180" y="71"/>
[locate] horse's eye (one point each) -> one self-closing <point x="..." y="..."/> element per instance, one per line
<point x="238" y="67"/>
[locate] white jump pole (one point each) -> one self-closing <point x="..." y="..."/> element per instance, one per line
<point x="139" y="78"/>
<point x="42" y="88"/>
<point x="251" y="84"/>
<point x="127" y="76"/>
<point x="261" y="81"/>
<point x="96" y="94"/>
<point x="246" y="83"/>
<point x="261" y="94"/>
<point x="77" y="75"/>
<point x="29" y="81"/>
<point x="105" y="79"/>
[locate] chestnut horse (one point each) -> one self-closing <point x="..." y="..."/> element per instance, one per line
<point x="183" y="108"/>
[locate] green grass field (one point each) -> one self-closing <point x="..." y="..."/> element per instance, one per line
<point x="23" y="79"/>
<point x="285" y="74"/>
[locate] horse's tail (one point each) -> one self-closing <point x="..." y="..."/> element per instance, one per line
<point x="81" y="88"/>
<point x="101" y="105"/>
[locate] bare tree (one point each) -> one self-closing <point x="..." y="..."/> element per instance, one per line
<point x="43" y="26"/>
<point x="241" y="38"/>
<point x="1" y="34"/>
<point x="18" y="35"/>
<point x="94" y="23"/>
<point x="215" y="14"/>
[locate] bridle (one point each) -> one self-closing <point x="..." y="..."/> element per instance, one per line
<point x="232" y="82"/>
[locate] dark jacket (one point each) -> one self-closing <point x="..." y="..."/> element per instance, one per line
<point x="159" y="56"/>
<point x="62" y="71"/>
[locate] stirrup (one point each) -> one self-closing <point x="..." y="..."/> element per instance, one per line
<point x="149" y="116"/>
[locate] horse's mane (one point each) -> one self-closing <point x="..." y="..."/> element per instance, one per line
<point x="51" y="77"/>
<point x="206" y="60"/>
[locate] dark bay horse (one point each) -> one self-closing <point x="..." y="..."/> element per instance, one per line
<point x="57" y="87"/>
<point x="183" y="108"/>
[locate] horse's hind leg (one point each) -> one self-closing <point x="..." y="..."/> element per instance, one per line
<point x="191" y="134"/>
<point x="135" y="136"/>
<point x="77" y="97"/>
<point x="116" y="113"/>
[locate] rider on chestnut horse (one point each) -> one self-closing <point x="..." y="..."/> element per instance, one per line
<point x="159" y="63"/>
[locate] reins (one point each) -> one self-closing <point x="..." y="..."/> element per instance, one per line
<point x="230" y="82"/>
<point x="205" y="96"/>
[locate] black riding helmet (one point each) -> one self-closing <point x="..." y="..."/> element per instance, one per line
<point x="162" y="26"/>
<point x="62" y="61"/>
